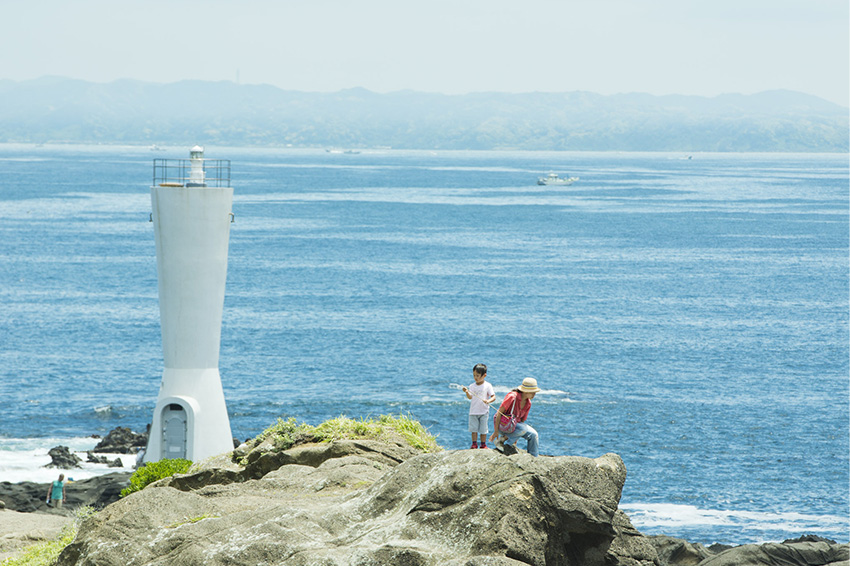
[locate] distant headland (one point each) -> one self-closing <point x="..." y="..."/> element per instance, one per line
<point x="61" y="110"/>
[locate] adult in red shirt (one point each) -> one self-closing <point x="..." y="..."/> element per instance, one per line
<point x="517" y="404"/>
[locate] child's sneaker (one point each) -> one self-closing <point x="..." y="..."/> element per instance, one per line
<point x="475" y="445"/>
<point x="483" y="445"/>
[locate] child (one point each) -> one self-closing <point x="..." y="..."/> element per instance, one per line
<point x="481" y="393"/>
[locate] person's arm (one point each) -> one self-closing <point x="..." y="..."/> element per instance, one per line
<point x="63" y="492"/>
<point x="495" y="427"/>
<point x="468" y="394"/>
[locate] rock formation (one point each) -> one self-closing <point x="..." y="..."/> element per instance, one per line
<point x="783" y="554"/>
<point x="371" y="503"/>
<point x="93" y="458"/>
<point x="121" y="440"/>
<point x="62" y="458"/>
<point x="677" y="552"/>
<point x="808" y="550"/>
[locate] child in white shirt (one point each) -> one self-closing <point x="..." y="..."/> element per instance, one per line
<point x="481" y="394"/>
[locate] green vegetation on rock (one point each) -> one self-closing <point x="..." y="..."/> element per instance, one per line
<point x="46" y="553"/>
<point x="285" y="434"/>
<point x="155" y="471"/>
<point x="383" y="428"/>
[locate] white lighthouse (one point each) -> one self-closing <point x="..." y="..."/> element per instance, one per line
<point x="191" y="201"/>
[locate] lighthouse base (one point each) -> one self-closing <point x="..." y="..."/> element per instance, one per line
<point x="180" y="428"/>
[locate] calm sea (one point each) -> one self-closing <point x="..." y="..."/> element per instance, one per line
<point x="690" y="315"/>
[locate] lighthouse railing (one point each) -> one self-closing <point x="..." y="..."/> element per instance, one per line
<point x="177" y="173"/>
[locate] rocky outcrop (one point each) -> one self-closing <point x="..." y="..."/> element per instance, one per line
<point x="805" y="553"/>
<point x="93" y="458"/>
<point x="97" y="492"/>
<point x="808" y="550"/>
<point x="121" y="440"/>
<point x="371" y="503"/>
<point x="630" y="547"/>
<point x="678" y="552"/>
<point x="62" y="458"/>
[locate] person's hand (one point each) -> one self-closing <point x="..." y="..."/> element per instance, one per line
<point x="465" y="390"/>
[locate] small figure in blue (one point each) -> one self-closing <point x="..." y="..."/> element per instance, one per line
<point x="481" y="394"/>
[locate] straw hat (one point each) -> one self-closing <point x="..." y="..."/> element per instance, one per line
<point x="529" y="385"/>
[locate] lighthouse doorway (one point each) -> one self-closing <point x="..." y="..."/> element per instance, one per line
<point x="173" y="431"/>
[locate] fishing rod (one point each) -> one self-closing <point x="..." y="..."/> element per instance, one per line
<point x="466" y="390"/>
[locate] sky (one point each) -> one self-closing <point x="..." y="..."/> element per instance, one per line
<point x="692" y="47"/>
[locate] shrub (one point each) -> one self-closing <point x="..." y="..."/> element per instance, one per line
<point x="154" y="471"/>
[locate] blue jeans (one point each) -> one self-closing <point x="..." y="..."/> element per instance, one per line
<point x="522" y="430"/>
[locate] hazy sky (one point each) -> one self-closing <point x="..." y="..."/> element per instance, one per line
<point x="704" y="47"/>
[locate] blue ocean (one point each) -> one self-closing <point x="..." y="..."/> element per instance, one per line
<point x="687" y="312"/>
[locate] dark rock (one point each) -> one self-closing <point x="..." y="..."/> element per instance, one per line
<point x="810" y="538"/>
<point x="630" y="547"/>
<point x="677" y="552"/>
<point x="783" y="554"/>
<point x="121" y="440"/>
<point x="717" y="548"/>
<point x="355" y="504"/>
<point x="92" y="458"/>
<point x="98" y="491"/>
<point x="62" y="458"/>
<point x="116" y="463"/>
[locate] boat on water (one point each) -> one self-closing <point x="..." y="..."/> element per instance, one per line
<point x="554" y="179"/>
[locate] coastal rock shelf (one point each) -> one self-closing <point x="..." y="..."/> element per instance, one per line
<point x="380" y="502"/>
<point x="353" y="502"/>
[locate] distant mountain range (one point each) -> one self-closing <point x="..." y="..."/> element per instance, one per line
<point x="57" y="110"/>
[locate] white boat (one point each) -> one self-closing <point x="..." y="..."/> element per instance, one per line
<point x="554" y="179"/>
